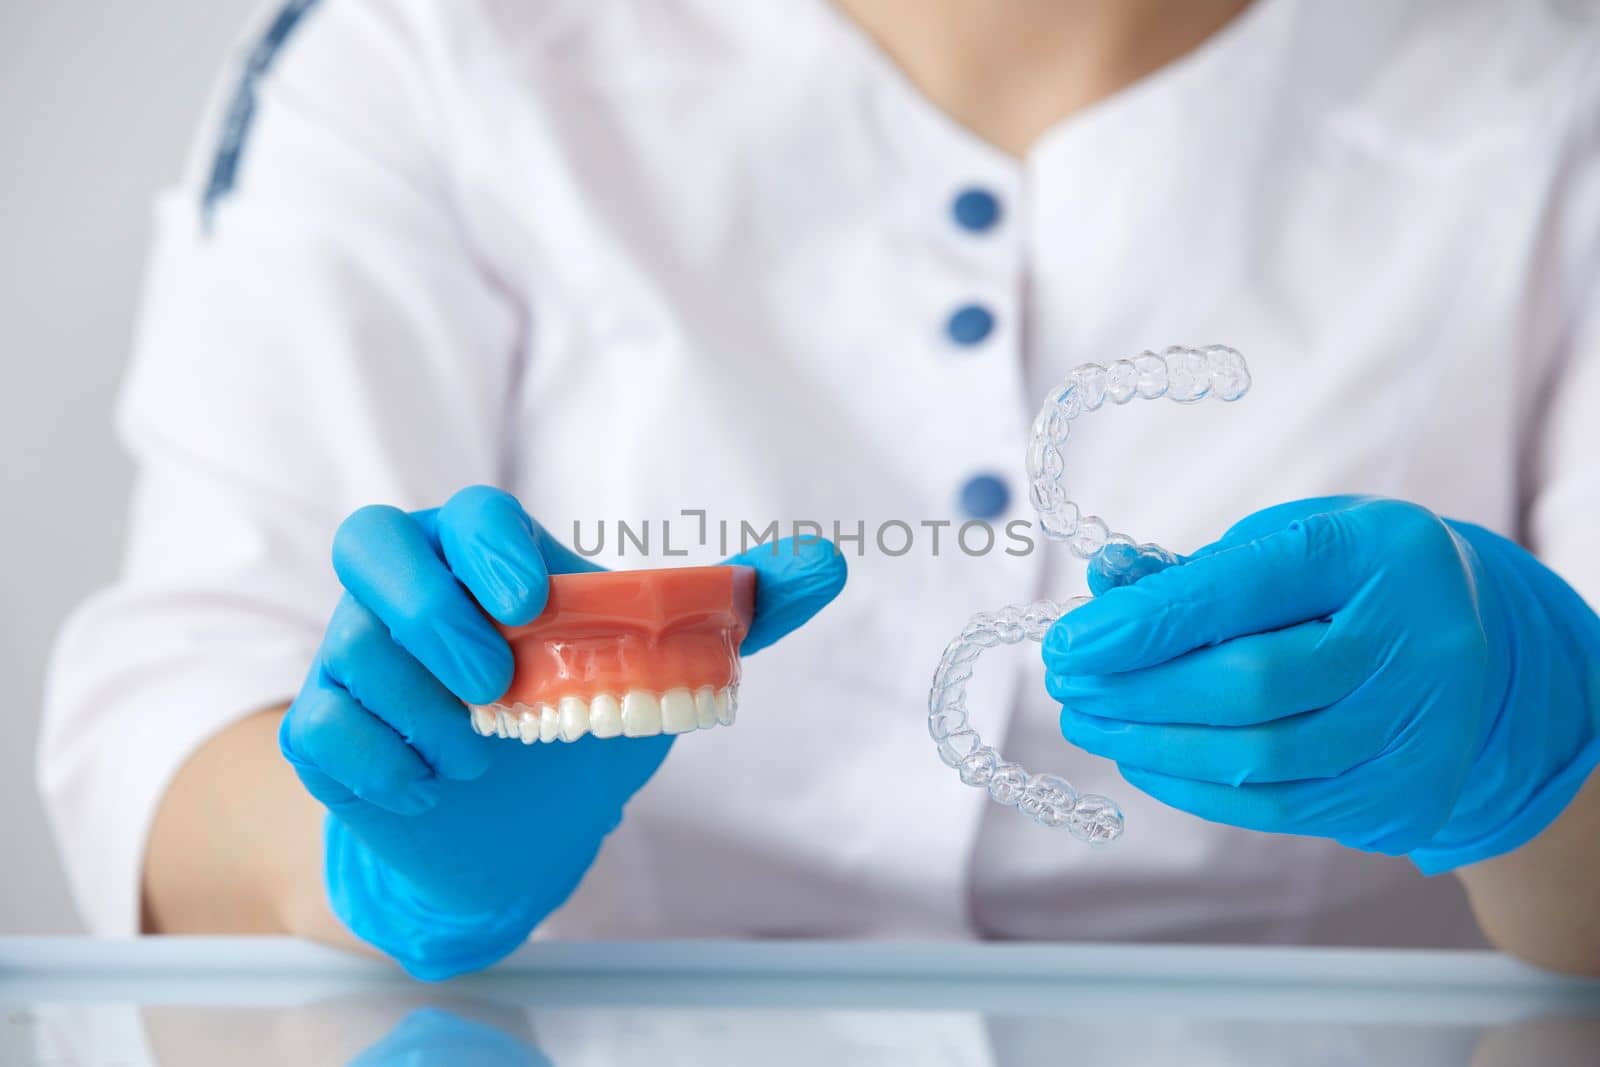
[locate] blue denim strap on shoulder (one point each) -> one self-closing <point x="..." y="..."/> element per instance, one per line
<point x="242" y="108"/>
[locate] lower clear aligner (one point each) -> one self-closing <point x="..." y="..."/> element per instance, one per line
<point x="1048" y="799"/>
<point x="636" y="713"/>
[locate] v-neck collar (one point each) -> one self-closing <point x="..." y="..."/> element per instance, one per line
<point x="915" y="124"/>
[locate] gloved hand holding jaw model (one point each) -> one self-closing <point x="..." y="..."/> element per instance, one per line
<point x="417" y="862"/>
<point x="1352" y="668"/>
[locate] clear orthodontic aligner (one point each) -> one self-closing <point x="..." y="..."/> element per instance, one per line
<point x="1183" y="375"/>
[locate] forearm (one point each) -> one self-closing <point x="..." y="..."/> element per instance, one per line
<point x="1538" y="902"/>
<point x="236" y="847"/>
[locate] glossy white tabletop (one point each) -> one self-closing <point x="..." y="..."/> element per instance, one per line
<point x="180" y="1002"/>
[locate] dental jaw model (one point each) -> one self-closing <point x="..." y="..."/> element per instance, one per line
<point x="1183" y="375"/>
<point x="626" y="654"/>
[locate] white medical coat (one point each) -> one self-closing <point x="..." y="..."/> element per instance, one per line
<point x="628" y="258"/>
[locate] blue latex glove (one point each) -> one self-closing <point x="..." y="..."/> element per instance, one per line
<point x="445" y="849"/>
<point x="1351" y="668"/>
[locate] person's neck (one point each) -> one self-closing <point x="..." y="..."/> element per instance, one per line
<point x="1010" y="69"/>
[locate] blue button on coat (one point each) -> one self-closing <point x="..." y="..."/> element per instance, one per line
<point x="985" y="496"/>
<point x="976" y="210"/>
<point x="970" y="325"/>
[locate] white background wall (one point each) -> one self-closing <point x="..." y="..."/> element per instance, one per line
<point x="98" y="100"/>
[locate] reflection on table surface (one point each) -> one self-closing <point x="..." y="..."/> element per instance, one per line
<point x="1193" y="1007"/>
